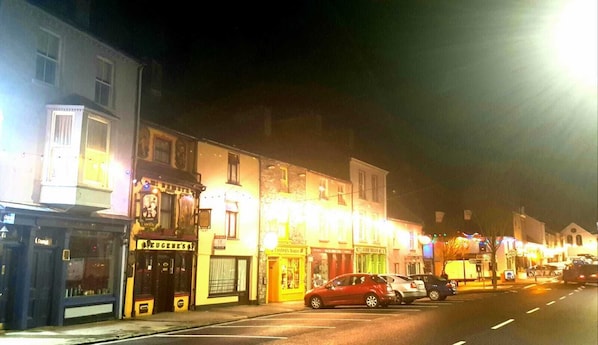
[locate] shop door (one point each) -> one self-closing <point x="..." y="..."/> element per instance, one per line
<point x="243" y="280"/>
<point x="40" y="292"/>
<point x="273" y="281"/>
<point x="8" y="261"/>
<point x="164" y="283"/>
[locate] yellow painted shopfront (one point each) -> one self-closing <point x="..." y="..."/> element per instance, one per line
<point x="286" y="273"/>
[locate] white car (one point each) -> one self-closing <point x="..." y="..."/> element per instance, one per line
<point x="406" y="289"/>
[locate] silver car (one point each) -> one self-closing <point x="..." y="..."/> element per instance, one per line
<point x="406" y="289"/>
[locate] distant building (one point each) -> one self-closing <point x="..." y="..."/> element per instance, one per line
<point x="579" y="241"/>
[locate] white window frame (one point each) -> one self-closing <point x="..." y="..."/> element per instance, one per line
<point x="375" y="186"/>
<point x="104" y="82"/>
<point x="63" y="156"/>
<point x="361" y="185"/>
<point x="46" y="58"/>
<point x="95" y="159"/>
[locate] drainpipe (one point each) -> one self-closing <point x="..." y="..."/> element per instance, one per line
<point x="132" y="176"/>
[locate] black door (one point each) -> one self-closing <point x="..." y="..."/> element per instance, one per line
<point x="164" y="283"/>
<point x="8" y="279"/>
<point x="40" y="292"/>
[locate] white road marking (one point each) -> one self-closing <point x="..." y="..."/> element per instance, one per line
<point x="460" y="342"/>
<point x="550" y="303"/>
<point x="529" y="286"/>
<point x="504" y="323"/>
<point x="308" y="318"/>
<point x="269" y="326"/>
<point x="570" y="293"/>
<point x="216" y="336"/>
<point x="532" y="310"/>
<point x="562" y="298"/>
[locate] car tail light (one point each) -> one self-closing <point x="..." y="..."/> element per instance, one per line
<point x="389" y="288"/>
<point x="413" y="285"/>
<point x="449" y="285"/>
<point x="581" y="276"/>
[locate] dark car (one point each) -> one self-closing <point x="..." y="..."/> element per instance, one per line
<point x="580" y="273"/>
<point x="438" y="288"/>
<point x="351" y="289"/>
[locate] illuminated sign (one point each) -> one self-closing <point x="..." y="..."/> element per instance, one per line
<point x="165" y="245"/>
<point x="370" y="250"/>
<point x="288" y="250"/>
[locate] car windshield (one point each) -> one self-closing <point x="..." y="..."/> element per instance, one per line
<point x="404" y="277"/>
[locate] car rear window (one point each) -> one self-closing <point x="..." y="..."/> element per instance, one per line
<point x="589" y="269"/>
<point x="378" y="279"/>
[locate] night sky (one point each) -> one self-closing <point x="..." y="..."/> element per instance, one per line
<point x="466" y="91"/>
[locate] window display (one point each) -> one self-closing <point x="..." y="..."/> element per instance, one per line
<point x="90" y="271"/>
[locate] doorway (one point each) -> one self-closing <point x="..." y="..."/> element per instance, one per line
<point x="8" y="279"/>
<point x="164" y="283"/>
<point x="243" y="280"/>
<point x="40" y="291"/>
<point x="273" y="283"/>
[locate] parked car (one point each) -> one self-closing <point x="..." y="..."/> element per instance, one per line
<point x="351" y="289"/>
<point x="584" y="273"/>
<point x="438" y="288"/>
<point x="406" y="289"/>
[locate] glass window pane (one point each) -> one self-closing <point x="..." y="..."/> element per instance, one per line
<point x="91" y="270"/>
<point x="97" y="135"/>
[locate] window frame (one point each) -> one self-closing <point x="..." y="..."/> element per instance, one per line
<point x="231" y="220"/>
<point x="362" y="185"/>
<point x="375" y="185"/>
<point x="162" y="154"/>
<point x="96" y="157"/>
<point x="46" y="58"/>
<point x="232" y="174"/>
<point x="167" y="210"/>
<point x="103" y="82"/>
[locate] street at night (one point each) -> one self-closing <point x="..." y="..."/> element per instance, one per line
<point x="551" y="313"/>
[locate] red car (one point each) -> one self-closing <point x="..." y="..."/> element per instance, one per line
<point x="351" y="289"/>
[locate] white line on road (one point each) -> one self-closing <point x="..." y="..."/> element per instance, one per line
<point x="532" y="310"/>
<point x="460" y="342"/>
<point x="562" y="298"/>
<point x="269" y="326"/>
<point x="550" y="303"/>
<point x="504" y="323"/>
<point x="529" y="286"/>
<point x="570" y="293"/>
<point x="307" y="318"/>
<point x="217" y="336"/>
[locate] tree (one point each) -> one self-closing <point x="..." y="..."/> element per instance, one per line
<point x="453" y="249"/>
<point x="495" y="222"/>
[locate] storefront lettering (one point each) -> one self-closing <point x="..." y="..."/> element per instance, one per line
<point x="287" y="250"/>
<point x="368" y="250"/>
<point x="165" y="245"/>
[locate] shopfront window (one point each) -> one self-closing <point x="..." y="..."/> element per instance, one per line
<point x="182" y="273"/>
<point x="91" y="268"/>
<point x="143" y="274"/>
<point x="290" y="273"/>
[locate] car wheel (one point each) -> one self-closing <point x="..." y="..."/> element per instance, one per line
<point x="434" y="295"/>
<point x="399" y="298"/>
<point x="316" y="302"/>
<point x="408" y="301"/>
<point x="371" y="300"/>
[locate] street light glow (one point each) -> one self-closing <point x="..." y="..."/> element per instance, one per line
<point x="575" y="40"/>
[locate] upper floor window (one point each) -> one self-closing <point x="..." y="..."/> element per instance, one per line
<point x="361" y="184"/>
<point x="162" y="150"/>
<point x="46" y="64"/>
<point x="95" y="165"/>
<point x="578" y="240"/>
<point x="569" y="239"/>
<point x="323" y="189"/>
<point x="284" y="179"/>
<point x="341" y="194"/>
<point x="64" y="153"/>
<point x="230" y="222"/>
<point x="104" y="85"/>
<point x="324" y="232"/>
<point x="167" y="210"/>
<point x="343" y="230"/>
<point x="375" y="194"/>
<point x="233" y="168"/>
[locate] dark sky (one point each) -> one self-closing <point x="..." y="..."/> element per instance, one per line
<point x="471" y="87"/>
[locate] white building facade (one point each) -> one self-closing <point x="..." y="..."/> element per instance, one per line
<point x="67" y="125"/>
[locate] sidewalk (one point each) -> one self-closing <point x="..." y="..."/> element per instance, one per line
<point x="91" y="333"/>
